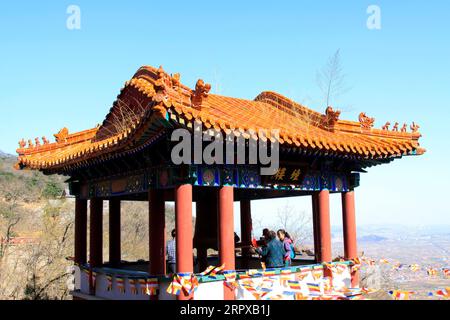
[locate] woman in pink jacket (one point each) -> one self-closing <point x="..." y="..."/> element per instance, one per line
<point x="288" y="245"/>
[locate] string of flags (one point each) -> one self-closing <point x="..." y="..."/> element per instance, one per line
<point x="185" y="283"/>
<point x="401" y="294"/>
<point x="430" y="271"/>
<point x="147" y="286"/>
<point x="444" y="293"/>
<point x="310" y="282"/>
<point x="261" y="284"/>
<point x="353" y="293"/>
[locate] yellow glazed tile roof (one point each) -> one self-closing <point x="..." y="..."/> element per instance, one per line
<point x="152" y="97"/>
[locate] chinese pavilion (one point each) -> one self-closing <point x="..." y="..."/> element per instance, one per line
<point x="128" y="157"/>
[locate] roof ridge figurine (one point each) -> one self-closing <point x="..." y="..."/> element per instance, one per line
<point x="201" y="91"/>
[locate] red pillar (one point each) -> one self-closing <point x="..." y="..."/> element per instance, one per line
<point x="324" y="225"/>
<point x="316" y="227"/>
<point x="183" y="226"/>
<point x="157" y="225"/>
<point x="349" y="226"/>
<point x="80" y="230"/>
<point x="114" y="232"/>
<point x="96" y="233"/>
<point x="246" y="231"/>
<point x="226" y="233"/>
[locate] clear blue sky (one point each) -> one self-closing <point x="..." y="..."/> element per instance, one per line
<point x="51" y="77"/>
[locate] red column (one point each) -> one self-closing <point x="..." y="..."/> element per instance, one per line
<point x="324" y="225"/>
<point x="349" y="226"/>
<point x="157" y="225"/>
<point x="96" y="233"/>
<point x="226" y="233"/>
<point x="80" y="230"/>
<point x="316" y="227"/>
<point x="114" y="232"/>
<point x="246" y="231"/>
<point x="183" y="226"/>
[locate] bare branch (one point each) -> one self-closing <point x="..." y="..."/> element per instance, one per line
<point x="331" y="79"/>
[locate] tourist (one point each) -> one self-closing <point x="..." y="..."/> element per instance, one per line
<point x="273" y="252"/>
<point x="265" y="234"/>
<point x="262" y="243"/>
<point x="171" y="254"/>
<point x="288" y="245"/>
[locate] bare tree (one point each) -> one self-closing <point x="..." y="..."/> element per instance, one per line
<point x="331" y="79"/>
<point x="296" y="222"/>
<point x="10" y="214"/>
<point x="37" y="268"/>
<point x="134" y="230"/>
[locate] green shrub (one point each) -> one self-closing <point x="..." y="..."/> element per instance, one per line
<point x="52" y="189"/>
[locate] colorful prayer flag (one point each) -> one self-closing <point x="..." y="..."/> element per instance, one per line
<point x="301" y="275"/>
<point x="349" y="292"/>
<point x="368" y="261"/>
<point x="340" y="268"/>
<point x="143" y="285"/>
<point x="327" y="284"/>
<point x="188" y="281"/>
<point x="445" y="293"/>
<point x="314" y="288"/>
<point x="400" y="294"/>
<point x="132" y="284"/>
<point x="207" y="270"/>
<point x="151" y="286"/>
<point x="216" y="270"/>
<point x="397" y="266"/>
<point x="255" y="273"/>
<point x="230" y="276"/>
<point x="432" y="271"/>
<point x="120" y="284"/>
<point x="368" y="291"/>
<point x="250" y="287"/>
<point x="269" y="272"/>
<point x="356" y="265"/>
<point x="414" y="267"/>
<point x="294" y="285"/>
<point x="317" y="274"/>
<point x="175" y="286"/>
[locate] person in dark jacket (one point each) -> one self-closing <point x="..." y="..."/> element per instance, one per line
<point x="273" y="252"/>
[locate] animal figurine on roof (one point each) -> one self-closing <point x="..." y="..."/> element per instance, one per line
<point x="414" y="127"/>
<point x="365" y="121"/>
<point x="395" y="127"/>
<point x="404" y="128"/>
<point x="201" y="91"/>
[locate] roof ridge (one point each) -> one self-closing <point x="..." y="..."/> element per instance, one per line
<point x="158" y="95"/>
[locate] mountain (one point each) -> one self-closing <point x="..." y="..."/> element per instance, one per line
<point x="4" y="155"/>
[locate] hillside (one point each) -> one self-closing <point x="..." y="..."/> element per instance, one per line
<point x="36" y="233"/>
<point x="27" y="186"/>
